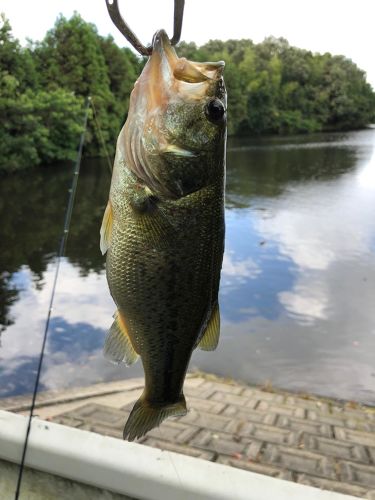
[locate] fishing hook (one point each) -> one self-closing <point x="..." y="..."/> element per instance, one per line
<point x="123" y="27"/>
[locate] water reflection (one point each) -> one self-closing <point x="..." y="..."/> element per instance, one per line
<point x="91" y="200"/>
<point x="265" y="169"/>
<point x="297" y="288"/>
<point x="81" y="316"/>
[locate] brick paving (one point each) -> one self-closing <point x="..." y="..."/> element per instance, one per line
<point x="310" y="440"/>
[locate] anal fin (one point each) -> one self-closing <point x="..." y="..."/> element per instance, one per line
<point x="118" y="347"/>
<point x="106" y="228"/>
<point x="210" y="338"/>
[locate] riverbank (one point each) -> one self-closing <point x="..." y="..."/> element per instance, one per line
<point x="309" y="440"/>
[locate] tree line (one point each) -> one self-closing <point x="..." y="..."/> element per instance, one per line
<point x="273" y="88"/>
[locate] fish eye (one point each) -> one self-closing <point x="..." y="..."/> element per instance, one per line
<point x="214" y="110"/>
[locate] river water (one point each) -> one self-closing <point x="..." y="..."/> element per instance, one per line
<point x="298" y="281"/>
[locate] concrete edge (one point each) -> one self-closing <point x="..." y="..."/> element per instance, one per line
<point x="139" y="471"/>
<point x="48" y="398"/>
<point x="62" y="396"/>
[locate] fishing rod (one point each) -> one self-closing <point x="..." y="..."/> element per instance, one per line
<point x="60" y="254"/>
<point x="100" y="135"/>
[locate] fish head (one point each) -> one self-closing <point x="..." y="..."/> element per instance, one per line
<point x="175" y="133"/>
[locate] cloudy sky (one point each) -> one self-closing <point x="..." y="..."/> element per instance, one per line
<point x="337" y="26"/>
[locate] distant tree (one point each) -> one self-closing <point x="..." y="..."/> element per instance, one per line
<point x="14" y="60"/>
<point x="123" y="68"/>
<point x="276" y="88"/>
<point x="38" y="126"/>
<point x="70" y="57"/>
<point x="192" y="52"/>
<point x="73" y="56"/>
<point x="273" y="88"/>
<point x="350" y="98"/>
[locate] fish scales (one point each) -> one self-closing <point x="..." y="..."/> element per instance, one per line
<point x="163" y="229"/>
<point x="174" y="287"/>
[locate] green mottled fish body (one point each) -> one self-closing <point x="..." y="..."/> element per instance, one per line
<point x="163" y="229"/>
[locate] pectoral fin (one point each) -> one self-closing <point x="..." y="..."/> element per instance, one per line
<point x="155" y="223"/>
<point x="106" y="228"/>
<point x="210" y="337"/>
<point x="118" y="347"/>
<point x="175" y="150"/>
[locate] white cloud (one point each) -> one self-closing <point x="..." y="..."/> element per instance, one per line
<point x="239" y="268"/>
<point x="316" y="227"/>
<point x="307" y="301"/>
<point x="78" y="300"/>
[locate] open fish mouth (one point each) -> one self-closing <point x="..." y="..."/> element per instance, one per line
<point x="169" y="75"/>
<point x="182" y="69"/>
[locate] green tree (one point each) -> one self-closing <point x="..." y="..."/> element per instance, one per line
<point x="350" y="97"/>
<point x="14" y="60"/>
<point x="123" y="69"/>
<point x="38" y="126"/>
<point x="272" y="88"/>
<point x="74" y="57"/>
<point x="70" y="57"/>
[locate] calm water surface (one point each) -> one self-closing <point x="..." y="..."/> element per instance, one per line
<point x="298" y="281"/>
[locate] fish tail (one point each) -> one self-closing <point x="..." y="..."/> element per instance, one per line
<point x="145" y="417"/>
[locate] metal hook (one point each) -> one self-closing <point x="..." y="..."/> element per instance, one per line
<point x="122" y="26"/>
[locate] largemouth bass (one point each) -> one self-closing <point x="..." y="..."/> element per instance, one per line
<point x="163" y="228"/>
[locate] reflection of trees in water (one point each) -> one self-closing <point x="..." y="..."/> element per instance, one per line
<point x="266" y="171"/>
<point x="32" y="211"/>
<point x="8" y="295"/>
<point x="91" y="199"/>
<point x="33" y="204"/>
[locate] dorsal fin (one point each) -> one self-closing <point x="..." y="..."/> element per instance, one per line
<point x="106" y="228"/>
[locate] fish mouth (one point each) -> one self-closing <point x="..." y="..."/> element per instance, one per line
<point x="172" y="74"/>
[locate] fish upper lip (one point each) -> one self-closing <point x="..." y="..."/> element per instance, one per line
<point x="159" y="40"/>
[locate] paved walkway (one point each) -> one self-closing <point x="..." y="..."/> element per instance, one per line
<point x="310" y="440"/>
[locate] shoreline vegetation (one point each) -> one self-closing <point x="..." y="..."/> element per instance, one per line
<point x="273" y="88"/>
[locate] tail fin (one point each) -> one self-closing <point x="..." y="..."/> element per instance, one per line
<point x="145" y="417"/>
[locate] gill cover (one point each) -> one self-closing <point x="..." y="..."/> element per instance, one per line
<point x="168" y="89"/>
